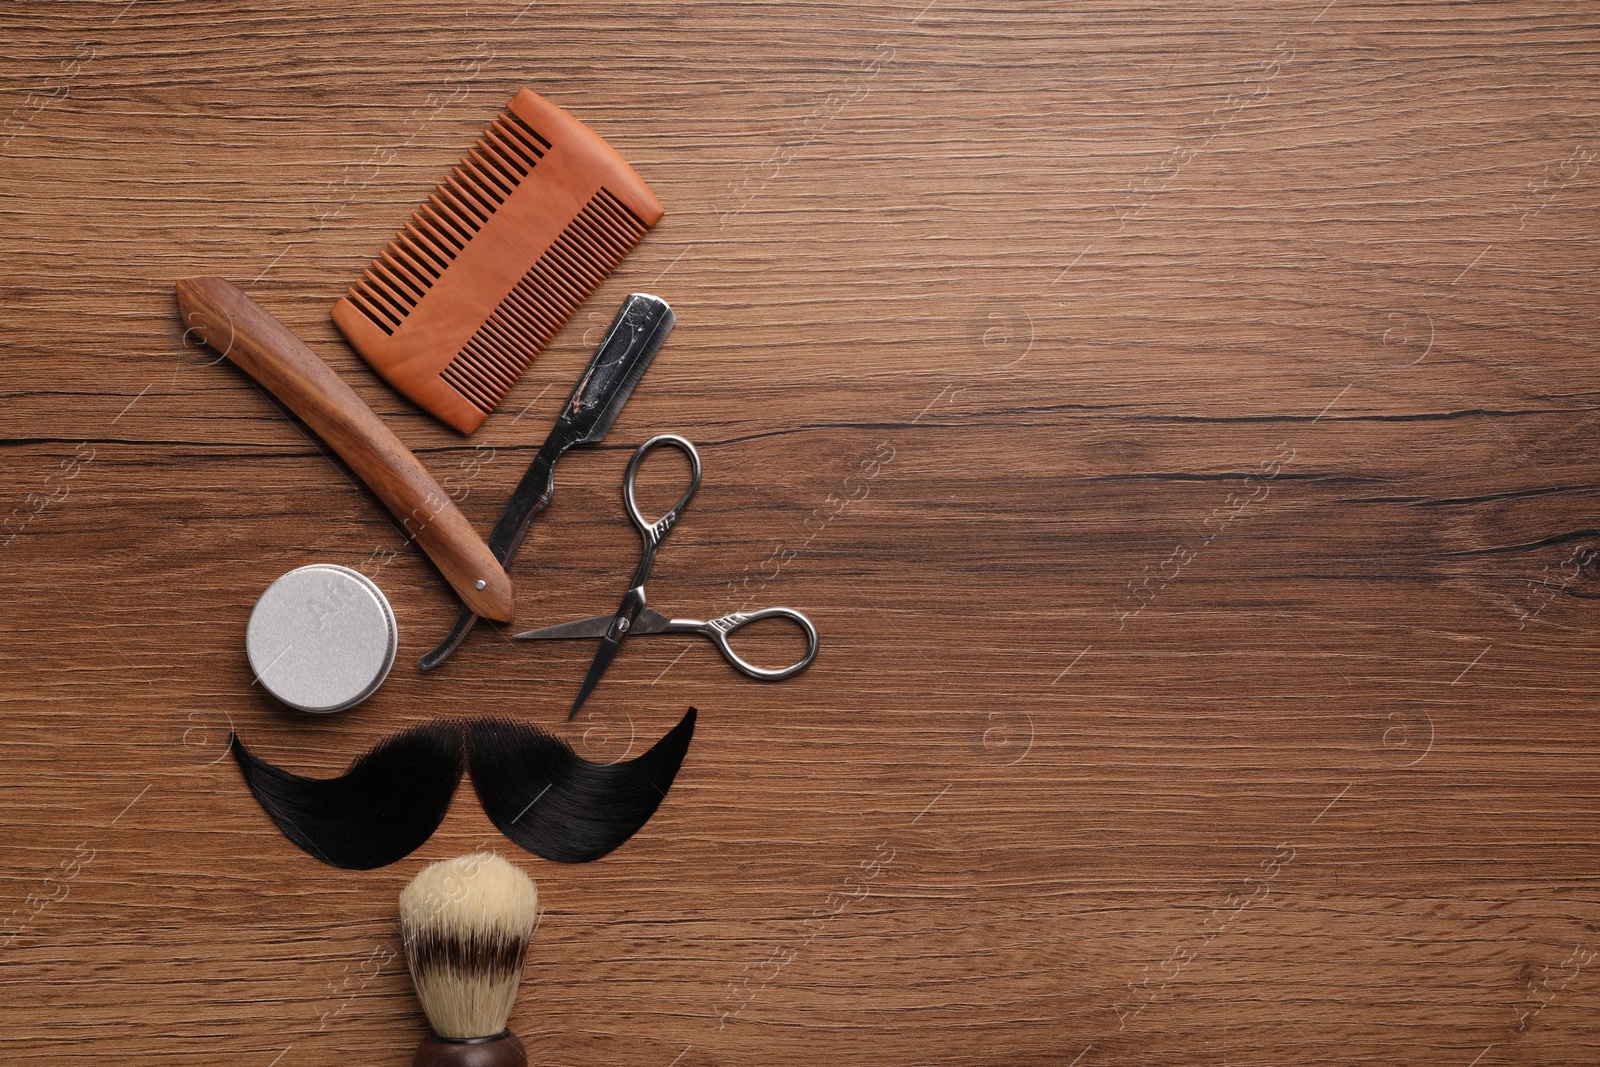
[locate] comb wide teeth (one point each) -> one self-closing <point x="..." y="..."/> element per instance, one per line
<point x="397" y="281"/>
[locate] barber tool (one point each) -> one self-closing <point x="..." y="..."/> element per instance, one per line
<point x="634" y="617"/>
<point x="321" y="638"/>
<point x="465" y="925"/>
<point x="635" y="336"/>
<point x="234" y="325"/>
<point x="533" y="786"/>
<point x="530" y="223"/>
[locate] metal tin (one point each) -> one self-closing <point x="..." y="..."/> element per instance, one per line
<point x="322" y="638"/>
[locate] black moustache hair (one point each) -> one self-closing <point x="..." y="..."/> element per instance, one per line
<point x="556" y="804"/>
<point x="387" y="804"/>
<point x="533" y="786"/>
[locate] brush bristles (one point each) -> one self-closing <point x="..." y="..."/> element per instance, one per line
<point x="465" y="924"/>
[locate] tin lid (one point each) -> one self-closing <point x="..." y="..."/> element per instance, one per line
<point x="322" y="638"/>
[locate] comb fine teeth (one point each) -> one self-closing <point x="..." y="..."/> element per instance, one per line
<point x="484" y="274"/>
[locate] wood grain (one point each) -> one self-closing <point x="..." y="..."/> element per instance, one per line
<point x="1177" y="418"/>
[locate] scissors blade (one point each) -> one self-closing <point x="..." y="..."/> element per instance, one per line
<point x="602" y="659"/>
<point x="650" y="621"/>
<point x="595" y="626"/>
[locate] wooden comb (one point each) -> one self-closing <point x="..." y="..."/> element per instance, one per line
<point x="501" y="255"/>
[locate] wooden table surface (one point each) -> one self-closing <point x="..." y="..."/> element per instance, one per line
<point x="1179" y="420"/>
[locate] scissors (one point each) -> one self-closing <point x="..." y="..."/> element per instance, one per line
<point x="634" y="617"/>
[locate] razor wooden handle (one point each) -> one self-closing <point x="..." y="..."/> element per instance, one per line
<point x="229" y="321"/>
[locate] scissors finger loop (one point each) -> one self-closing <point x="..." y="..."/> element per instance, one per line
<point x="654" y="532"/>
<point x="719" y="630"/>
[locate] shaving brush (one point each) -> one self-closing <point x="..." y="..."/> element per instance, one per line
<point x="465" y="924"/>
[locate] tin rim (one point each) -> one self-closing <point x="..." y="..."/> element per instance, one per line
<point x="353" y="580"/>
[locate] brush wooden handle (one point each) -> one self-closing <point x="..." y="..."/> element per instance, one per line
<point x="503" y="1051"/>
<point x="233" y="324"/>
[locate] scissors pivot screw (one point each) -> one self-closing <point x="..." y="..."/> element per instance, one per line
<point x="622" y="626"/>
